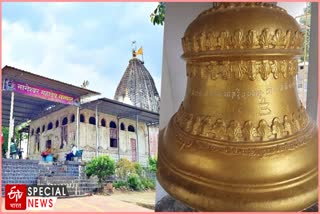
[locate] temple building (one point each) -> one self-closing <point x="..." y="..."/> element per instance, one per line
<point x="137" y="87"/>
<point x="126" y="127"/>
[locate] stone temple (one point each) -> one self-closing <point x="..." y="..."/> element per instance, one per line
<point x="137" y="87"/>
<point x="123" y="128"/>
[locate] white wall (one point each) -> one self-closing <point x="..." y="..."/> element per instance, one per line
<point x="88" y="136"/>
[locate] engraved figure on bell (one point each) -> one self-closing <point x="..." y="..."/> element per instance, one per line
<point x="249" y="132"/>
<point x="287" y="39"/>
<point x="226" y="70"/>
<point x="214" y="70"/>
<point x="265" y="70"/>
<point x="287" y="125"/>
<point x="223" y="40"/>
<point x="252" y="39"/>
<point x="295" y="122"/>
<point x="196" y="46"/>
<point x="220" y="129"/>
<point x="283" y="68"/>
<point x="202" y="41"/>
<point x="302" y="116"/>
<point x="196" y="129"/>
<point x="278" y="39"/>
<point x="238" y="39"/>
<point x="234" y="131"/>
<point x="297" y="40"/>
<point x="277" y="128"/>
<point x="188" y="122"/>
<point x="274" y="68"/>
<point x="265" y="38"/>
<point x="264" y="130"/>
<point x="207" y="127"/>
<point x="252" y="71"/>
<point x="204" y="72"/>
<point x="241" y="71"/>
<point x="212" y="41"/>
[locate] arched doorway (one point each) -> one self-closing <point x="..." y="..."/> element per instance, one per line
<point x="64" y="132"/>
<point x="113" y="135"/>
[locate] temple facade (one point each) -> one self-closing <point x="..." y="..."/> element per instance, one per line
<point x="109" y="135"/>
<point x="126" y="127"/>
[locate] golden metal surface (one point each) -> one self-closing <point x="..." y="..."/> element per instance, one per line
<point x="241" y="140"/>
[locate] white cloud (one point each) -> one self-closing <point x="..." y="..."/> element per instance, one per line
<point x="50" y="50"/>
<point x="47" y="53"/>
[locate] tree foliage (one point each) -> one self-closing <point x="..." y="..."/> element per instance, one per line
<point x="138" y="169"/>
<point x="157" y="17"/>
<point x="16" y="137"/>
<point x="124" y="168"/>
<point x="305" y="21"/>
<point x="5" y="132"/>
<point x="152" y="164"/>
<point x="102" y="167"/>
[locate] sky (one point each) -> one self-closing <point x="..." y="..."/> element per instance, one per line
<point x="73" y="42"/>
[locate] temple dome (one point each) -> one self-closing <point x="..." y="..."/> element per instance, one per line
<point x="137" y="87"/>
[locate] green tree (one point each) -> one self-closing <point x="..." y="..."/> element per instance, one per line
<point x="124" y="168"/>
<point x="305" y="22"/>
<point x="157" y="17"/>
<point x="152" y="164"/>
<point x="17" y="136"/>
<point x="5" y="132"/>
<point x="138" y="169"/>
<point x="102" y="167"/>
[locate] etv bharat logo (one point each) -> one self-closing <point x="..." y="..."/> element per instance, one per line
<point x="16" y="198"/>
<point x="12" y="194"/>
<point x="33" y="197"/>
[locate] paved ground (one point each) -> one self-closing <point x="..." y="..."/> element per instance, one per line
<point x="98" y="203"/>
<point x="145" y="199"/>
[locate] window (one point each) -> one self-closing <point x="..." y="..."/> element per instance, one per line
<point x="48" y="144"/>
<point x="92" y="121"/>
<point x="81" y="118"/>
<point x="131" y="128"/>
<point x="113" y="125"/>
<point x="113" y="135"/>
<point x="38" y="130"/>
<point x="57" y="123"/>
<point x="43" y="128"/>
<point x="65" y="121"/>
<point x="32" y="132"/>
<point x="122" y="127"/>
<point x="50" y="126"/>
<point x="113" y="143"/>
<point x="72" y="118"/>
<point x="103" y="122"/>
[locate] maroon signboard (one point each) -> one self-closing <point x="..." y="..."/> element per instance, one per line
<point x="39" y="92"/>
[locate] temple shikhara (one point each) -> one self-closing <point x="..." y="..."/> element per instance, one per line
<point x="60" y="115"/>
<point x="137" y="87"/>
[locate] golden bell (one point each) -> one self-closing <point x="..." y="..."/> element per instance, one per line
<point x="241" y="140"/>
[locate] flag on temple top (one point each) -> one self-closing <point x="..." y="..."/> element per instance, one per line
<point x="139" y="51"/>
